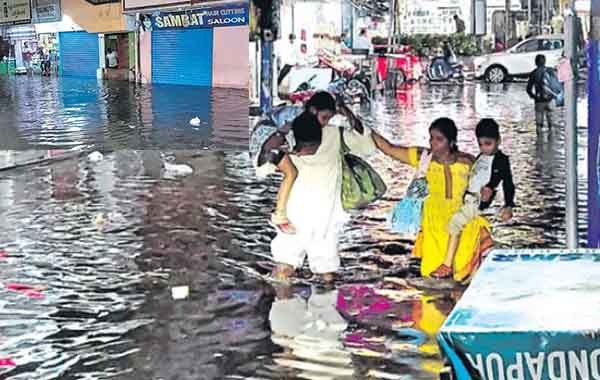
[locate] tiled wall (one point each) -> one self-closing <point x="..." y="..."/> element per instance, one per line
<point x="230" y="57"/>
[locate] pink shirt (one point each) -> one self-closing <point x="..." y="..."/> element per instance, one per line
<point x="565" y="73"/>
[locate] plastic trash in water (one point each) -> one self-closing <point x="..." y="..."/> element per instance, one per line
<point x="178" y="169"/>
<point x="196" y="122"/>
<point x="29" y="291"/>
<point x="7" y="362"/>
<point x="95" y="156"/>
<point x="99" y="220"/>
<point x="3" y="254"/>
<point x="180" y="292"/>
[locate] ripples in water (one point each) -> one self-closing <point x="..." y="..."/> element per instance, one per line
<point x="106" y="241"/>
<point x="72" y="112"/>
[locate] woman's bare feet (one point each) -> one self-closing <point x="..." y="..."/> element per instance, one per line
<point x="283" y="272"/>
<point x="328" y="278"/>
<point x="442" y="272"/>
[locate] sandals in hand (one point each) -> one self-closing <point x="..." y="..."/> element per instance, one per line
<point x="281" y="223"/>
<point x="442" y="272"/>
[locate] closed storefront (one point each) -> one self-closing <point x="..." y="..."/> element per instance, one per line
<point x="200" y="47"/>
<point x="182" y="56"/>
<point x="79" y="54"/>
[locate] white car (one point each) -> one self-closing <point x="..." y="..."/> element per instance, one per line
<point x="519" y="60"/>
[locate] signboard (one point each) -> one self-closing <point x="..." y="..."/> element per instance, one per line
<point x="133" y="6"/>
<point x="15" y="12"/>
<point x="581" y="6"/>
<point x="230" y="15"/>
<point x="528" y="314"/>
<point x="45" y="11"/>
<point x="480" y="20"/>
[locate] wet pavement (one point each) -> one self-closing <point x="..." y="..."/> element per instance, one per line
<point x="92" y="249"/>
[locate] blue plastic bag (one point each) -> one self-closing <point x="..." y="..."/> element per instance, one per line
<point x="406" y="216"/>
<point x="553" y="88"/>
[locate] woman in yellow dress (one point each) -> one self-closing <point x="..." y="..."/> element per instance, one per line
<point x="447" y="179"/>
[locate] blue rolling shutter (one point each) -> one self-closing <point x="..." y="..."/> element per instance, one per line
<point x="79" y="54"/>
<point x="182" y="57"/>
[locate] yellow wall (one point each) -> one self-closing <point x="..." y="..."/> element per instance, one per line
<point x="103" y="18"/>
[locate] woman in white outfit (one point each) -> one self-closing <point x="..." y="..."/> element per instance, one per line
<point x="315" y="206"/>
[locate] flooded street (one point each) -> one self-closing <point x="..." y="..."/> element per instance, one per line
<point x="91" y="250"/>
<point x="40" y="112"/>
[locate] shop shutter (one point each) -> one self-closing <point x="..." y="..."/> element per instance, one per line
<point x="79" y="53"/>
<point x="182" y="57"/>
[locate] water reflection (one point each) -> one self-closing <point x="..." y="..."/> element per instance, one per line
<point x="106" y="241"/>
<point x="308" y="327"/>
<point x="72" y="112"/>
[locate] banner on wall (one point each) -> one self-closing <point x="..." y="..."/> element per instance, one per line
<point x="15" y="12"/>
<point x="229" y="15"/>
<point x="45" y="11"/>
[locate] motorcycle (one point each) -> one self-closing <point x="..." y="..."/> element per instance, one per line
<point x="356" y="81"/>
<point x="350" y="84"/>
<point x="347" y="90"/>
<point x="303" y="92"/>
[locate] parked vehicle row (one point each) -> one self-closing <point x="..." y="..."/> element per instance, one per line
<point x="354" y="84"/>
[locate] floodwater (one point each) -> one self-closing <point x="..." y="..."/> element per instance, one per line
<point x="93" y="249"/>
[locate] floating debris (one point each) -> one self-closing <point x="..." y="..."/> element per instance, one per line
<point x="178" y="169"/>
<point x="7" y="362"/>
<point x="95" y="156"/>
<point x="196" y="122"/>
<point x="29" y="291"/>
<point x="180" y="292"/>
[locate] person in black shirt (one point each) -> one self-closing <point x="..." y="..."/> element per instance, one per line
<point x="460" y="24"/>
<point x="544" y="108"/>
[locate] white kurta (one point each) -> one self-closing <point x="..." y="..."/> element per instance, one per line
<point x="315" y="206"/>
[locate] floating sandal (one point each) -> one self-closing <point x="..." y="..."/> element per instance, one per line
<point x="442" y="272"/>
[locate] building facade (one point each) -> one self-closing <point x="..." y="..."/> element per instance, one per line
<point x="200" y="44"/>
<point x="436" y="17"/>
<point x="150" y="41"/>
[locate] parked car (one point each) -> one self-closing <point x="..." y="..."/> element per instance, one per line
<point x="519" y="60"/>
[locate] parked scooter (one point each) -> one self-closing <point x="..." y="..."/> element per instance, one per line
<point x="446" y="67"/>
<point x="349" y="91"/>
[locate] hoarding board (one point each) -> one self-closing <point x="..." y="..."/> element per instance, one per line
<point x="15" y="12"/>
<point x="530" y="314"/>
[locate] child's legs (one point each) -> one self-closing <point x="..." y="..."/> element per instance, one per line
<point x="285" y="188"/>
<point x="323" y="254"/>
<point x="465" y="214"/>
<point x="462" y="217"/>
